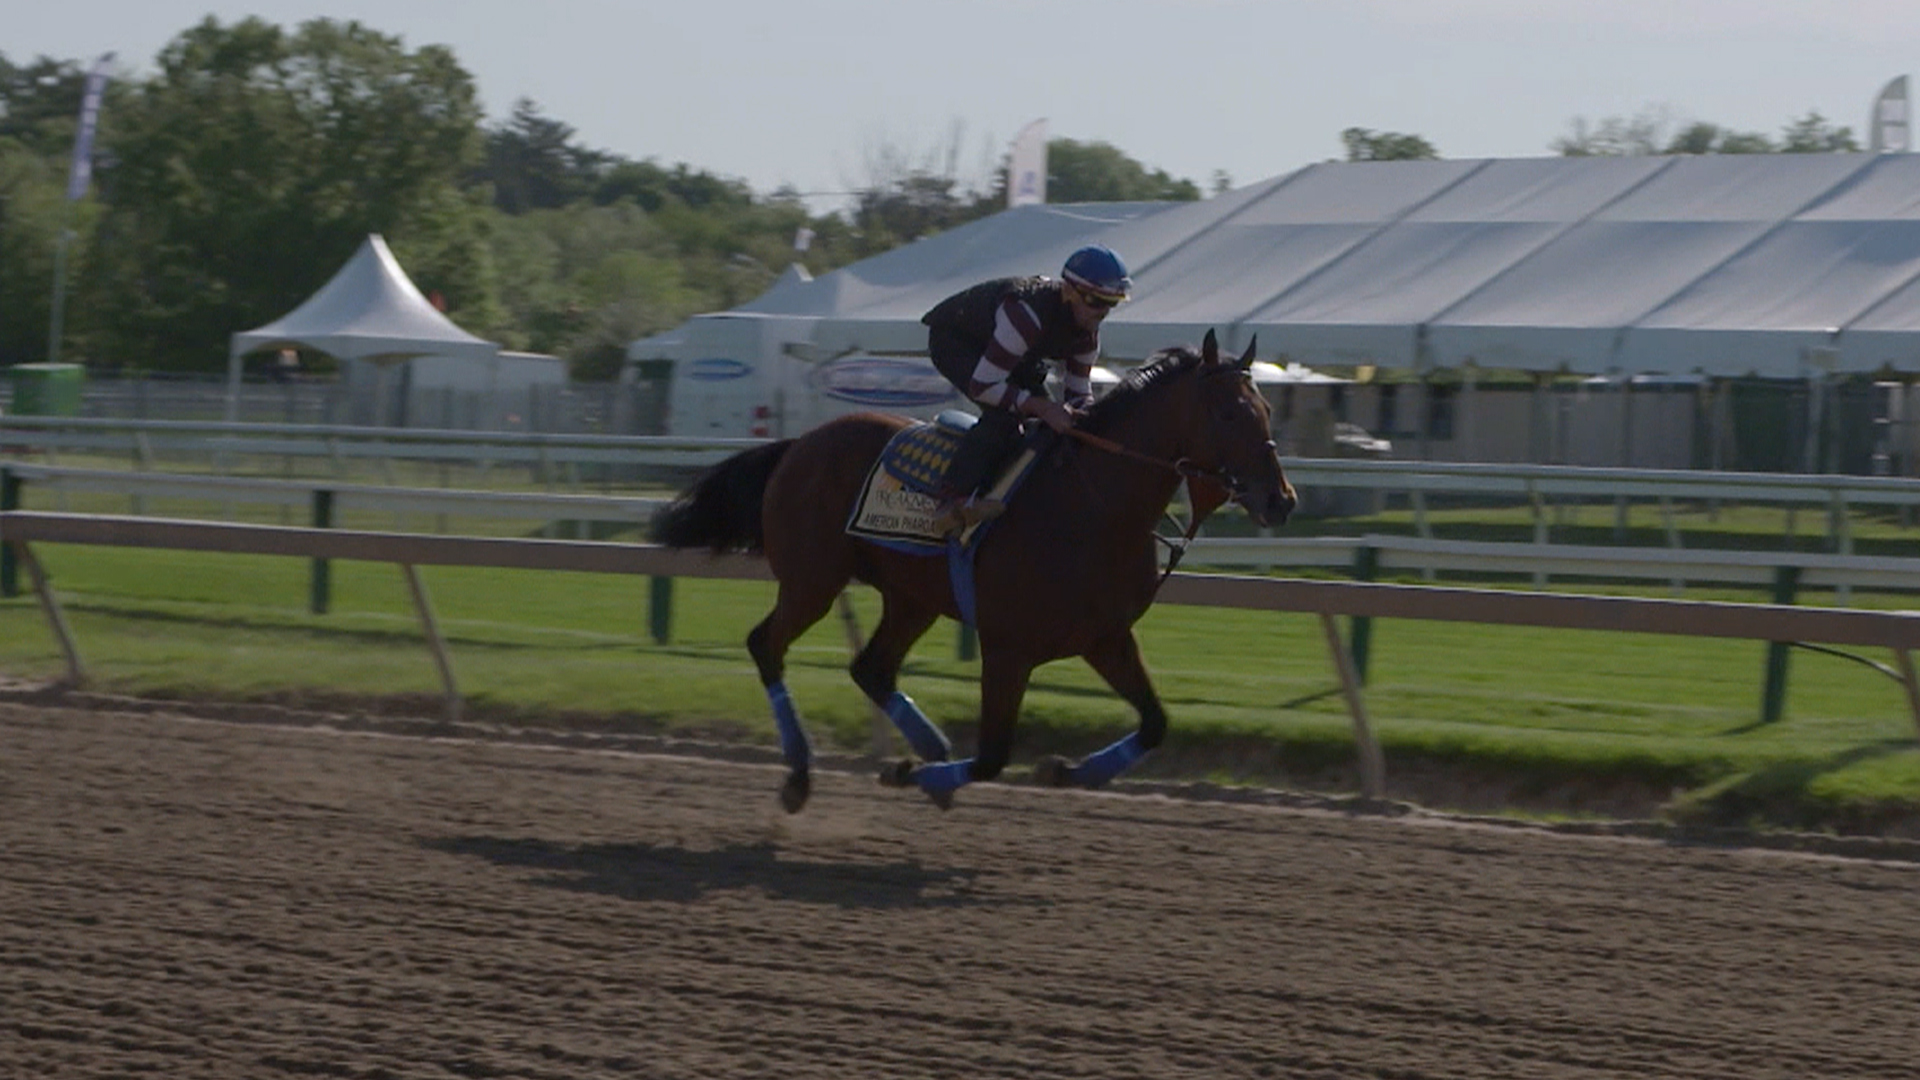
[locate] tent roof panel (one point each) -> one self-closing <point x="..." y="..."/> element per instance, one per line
<point x="1817" y="275"/>
<point x="1361" y="193"/>
<point x="1219" y="283"/>
<point x="1406" y="273"/>
<point x="1603" y="274"/>
<point x="1888" y="188"/>
<point x="1720" y="263"/>
<point x="1734" y="187"/>
<point x="1538" y="190"/>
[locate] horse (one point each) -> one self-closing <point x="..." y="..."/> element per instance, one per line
<point x="1065" y="571"/>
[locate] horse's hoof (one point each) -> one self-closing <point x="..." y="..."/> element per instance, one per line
<point x="793" y="793"/>
<point x="897" y="774"/>
<point x="1053" y="771"/>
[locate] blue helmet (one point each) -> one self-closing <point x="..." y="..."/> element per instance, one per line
<point x="1097" y="270"/>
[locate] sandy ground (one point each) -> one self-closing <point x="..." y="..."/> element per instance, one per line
<point x="186" y="898"/>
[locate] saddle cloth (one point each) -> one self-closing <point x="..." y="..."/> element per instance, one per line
<point x="896" y="504"/>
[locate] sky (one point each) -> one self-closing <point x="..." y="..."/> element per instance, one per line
<point x="828" y="96"/>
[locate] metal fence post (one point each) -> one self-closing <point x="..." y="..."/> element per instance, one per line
<point x="320" y="591"/>
<point x="1786" y="582"/>
<point x="9" y="564"/>
<point x="660" y="608"/>
<point x="1366" y="563"/>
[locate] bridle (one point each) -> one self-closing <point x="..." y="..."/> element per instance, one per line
<point x="1220" y="476"/>
<point x="1183" y="467"/>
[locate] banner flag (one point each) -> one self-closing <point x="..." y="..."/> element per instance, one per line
<point x="1027" y="167"/>
<point x="1889" y="128"/>
<point x="81" y="173"/>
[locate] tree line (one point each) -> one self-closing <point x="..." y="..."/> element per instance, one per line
<point x="234" y="179"/>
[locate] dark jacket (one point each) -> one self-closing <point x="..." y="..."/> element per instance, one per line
<point x="970" y="312"/>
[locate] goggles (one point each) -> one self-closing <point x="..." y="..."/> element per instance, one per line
<point x="1097" y="300"/>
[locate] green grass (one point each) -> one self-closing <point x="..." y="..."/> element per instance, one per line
<point x="1252" y="694"/>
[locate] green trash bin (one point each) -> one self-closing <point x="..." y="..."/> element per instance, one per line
<point x="47" y="389"/>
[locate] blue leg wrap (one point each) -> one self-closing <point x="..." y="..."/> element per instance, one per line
<point x="793" y="740"/>
<point x="926" y="740"/>
<point x="945" y="776"/>
<point x="1103" y="765"/>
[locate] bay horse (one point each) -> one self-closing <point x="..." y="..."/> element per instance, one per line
<point x="1065" y="571"/>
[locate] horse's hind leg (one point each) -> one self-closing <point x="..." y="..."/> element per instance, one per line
<point x="794" y="611"/>
<point x="1116" y="659"/>
<point x="877" y="670"/>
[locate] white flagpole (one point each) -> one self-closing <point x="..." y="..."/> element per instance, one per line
<point x="1027" y="166"/>
<point x="79" y="175"/>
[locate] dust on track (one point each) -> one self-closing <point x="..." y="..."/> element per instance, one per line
<point x="209" y="898"/>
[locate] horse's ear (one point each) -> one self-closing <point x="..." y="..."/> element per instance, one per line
<point x="1246" y="358"/>
<point x="1210" y="348"/>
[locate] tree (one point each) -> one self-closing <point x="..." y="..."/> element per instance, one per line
<point x="653" y="186"/>
<point x="1813" y="134"/>
<point x="39" y="111"/>
<point x="1365" y="145"/>
<point x="39" y="104"/>
<point x="255" y="162"/>
<point x="533" y="163"/>
<point x="1704" y="138"/>
<point x="1100" y="172"/>
<point x="1646" y="133"/>
<point x="31" y="197"/>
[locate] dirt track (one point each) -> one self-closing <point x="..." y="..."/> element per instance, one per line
<point x="183" y="898"/>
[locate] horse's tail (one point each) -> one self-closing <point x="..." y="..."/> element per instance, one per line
<point x="721" y="511"/>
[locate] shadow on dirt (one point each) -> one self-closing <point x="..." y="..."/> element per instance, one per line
<point x="683" y="875"/>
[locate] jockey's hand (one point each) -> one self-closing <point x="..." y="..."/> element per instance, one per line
<point x="1052" y="413"/>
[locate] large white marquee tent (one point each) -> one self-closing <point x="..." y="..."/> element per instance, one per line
<point x="1780" y="265"/>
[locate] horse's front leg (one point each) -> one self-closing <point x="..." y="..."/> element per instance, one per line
<point x="1003" y="684"/>
<point x="877" y="670"/>
<point x="1117" y="660"/>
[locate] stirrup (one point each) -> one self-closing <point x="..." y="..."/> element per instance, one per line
<point x="958" y="514"/>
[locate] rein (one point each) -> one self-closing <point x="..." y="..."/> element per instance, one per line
<point x="1187" y="471"/>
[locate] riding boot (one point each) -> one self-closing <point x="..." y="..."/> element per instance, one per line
<point x="982" y="450"/>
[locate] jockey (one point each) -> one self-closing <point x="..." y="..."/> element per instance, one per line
<point x="992" y="341"/>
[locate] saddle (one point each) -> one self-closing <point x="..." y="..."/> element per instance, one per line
<point x="897" y="503"/>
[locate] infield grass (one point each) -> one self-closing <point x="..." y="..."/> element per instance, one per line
<point x="1252" y="695"/>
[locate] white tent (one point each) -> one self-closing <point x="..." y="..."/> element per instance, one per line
<point x="1787" y="265"/>
<point x="370" y="310"/>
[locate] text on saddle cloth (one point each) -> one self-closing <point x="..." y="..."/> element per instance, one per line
<point x="897" y="507"/>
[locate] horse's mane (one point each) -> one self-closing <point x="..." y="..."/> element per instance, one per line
<point x="1137" y="386"/>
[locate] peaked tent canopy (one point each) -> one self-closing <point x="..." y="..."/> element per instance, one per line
<point x="369" y="310"/>
<point x="1785" y="265"/>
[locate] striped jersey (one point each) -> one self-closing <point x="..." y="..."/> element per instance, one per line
<point x="1017" y="322"/>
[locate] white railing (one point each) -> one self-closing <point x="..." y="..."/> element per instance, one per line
<point x="147" y="440"/>
<point x="219" y="445"/>
<point x="1541" y="561"/>
<point x="139" y="487"/>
